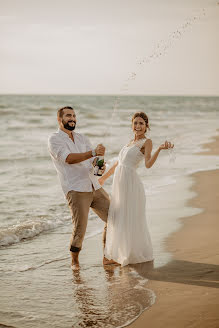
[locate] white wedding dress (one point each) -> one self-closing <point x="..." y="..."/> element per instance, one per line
<point x="128" y="240"/>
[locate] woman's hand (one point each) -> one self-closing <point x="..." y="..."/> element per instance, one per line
<point x="101" y="181"/>
<point x="107" y="174"/>
<point x="166" y="145"/>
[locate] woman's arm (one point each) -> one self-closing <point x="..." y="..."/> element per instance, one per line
<point x="107" y="174"/>
<point x="150" y="160"/>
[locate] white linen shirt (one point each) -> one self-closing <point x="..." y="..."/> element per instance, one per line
<point x="79" y="176"/>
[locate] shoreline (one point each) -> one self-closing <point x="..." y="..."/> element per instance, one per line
<point x="211" y="148"/>
<point x="187" y="288"/>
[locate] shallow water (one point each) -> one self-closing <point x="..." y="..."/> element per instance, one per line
<point x="49" y="294"/>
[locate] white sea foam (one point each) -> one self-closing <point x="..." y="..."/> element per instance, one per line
<point x="29" y="229"/>
<point x="32" y="228"/>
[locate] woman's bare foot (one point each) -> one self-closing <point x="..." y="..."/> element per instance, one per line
<point x="108" y="262"/>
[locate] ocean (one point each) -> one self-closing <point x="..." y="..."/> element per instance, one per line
<point x="37" y="286"/>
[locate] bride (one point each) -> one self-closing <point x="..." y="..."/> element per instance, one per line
<point x="128" y="240"/>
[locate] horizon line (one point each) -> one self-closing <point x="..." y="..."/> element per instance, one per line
<point x="109" y="94"/>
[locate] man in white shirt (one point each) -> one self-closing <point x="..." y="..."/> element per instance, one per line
<point x="72" y="155"/>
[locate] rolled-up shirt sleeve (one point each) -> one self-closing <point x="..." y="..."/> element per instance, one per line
<point x="58" y="149"/>
<point x="88" y="148"/>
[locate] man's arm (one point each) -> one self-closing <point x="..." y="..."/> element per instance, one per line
<point x="74" y="158"/>
<point x="59" y="151"/>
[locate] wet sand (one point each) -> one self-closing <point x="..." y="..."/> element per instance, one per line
<point x="187" y="288"/>
<point x="211" y="148"/>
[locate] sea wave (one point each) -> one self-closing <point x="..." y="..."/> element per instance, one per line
<point x="29" y="229"/>
<point x="44" y="108"/>
<point x="6" y="111"/>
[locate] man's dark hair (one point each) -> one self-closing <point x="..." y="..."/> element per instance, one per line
<point x="60" y="111"/>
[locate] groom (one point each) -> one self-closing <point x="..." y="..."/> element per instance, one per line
<point x="72" y="156"/>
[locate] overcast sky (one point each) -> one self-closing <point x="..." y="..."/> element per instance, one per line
<point x="94" y="46"/>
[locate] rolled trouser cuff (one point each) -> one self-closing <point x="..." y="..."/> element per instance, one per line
<point x="75" y="249"/>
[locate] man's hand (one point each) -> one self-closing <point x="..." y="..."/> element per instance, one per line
<point x="100" y="150"/>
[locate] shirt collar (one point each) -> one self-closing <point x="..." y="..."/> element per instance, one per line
<point x="64" y="134"/>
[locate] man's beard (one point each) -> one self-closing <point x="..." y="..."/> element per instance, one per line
<point x="67" y="126"/>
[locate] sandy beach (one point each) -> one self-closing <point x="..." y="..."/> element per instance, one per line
<point x="187" y="287"/>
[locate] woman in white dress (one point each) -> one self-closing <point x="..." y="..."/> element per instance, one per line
<point x="128" y="239"/>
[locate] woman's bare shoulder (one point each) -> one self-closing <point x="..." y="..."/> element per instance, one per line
<point x="148" y="142"/>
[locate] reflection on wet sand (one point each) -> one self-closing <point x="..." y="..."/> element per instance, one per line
<point x="109" y="296"/>
<point x="114" y="296"/>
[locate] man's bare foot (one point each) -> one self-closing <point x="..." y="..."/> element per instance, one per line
<point x="74" y="261"/>
<point x="75" y="267"/>
<point x="108" y="262"/>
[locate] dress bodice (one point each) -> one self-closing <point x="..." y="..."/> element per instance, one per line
<point x="131" y="155"/>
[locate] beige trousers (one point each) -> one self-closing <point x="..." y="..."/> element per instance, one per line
<point x="79" y="204"/>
